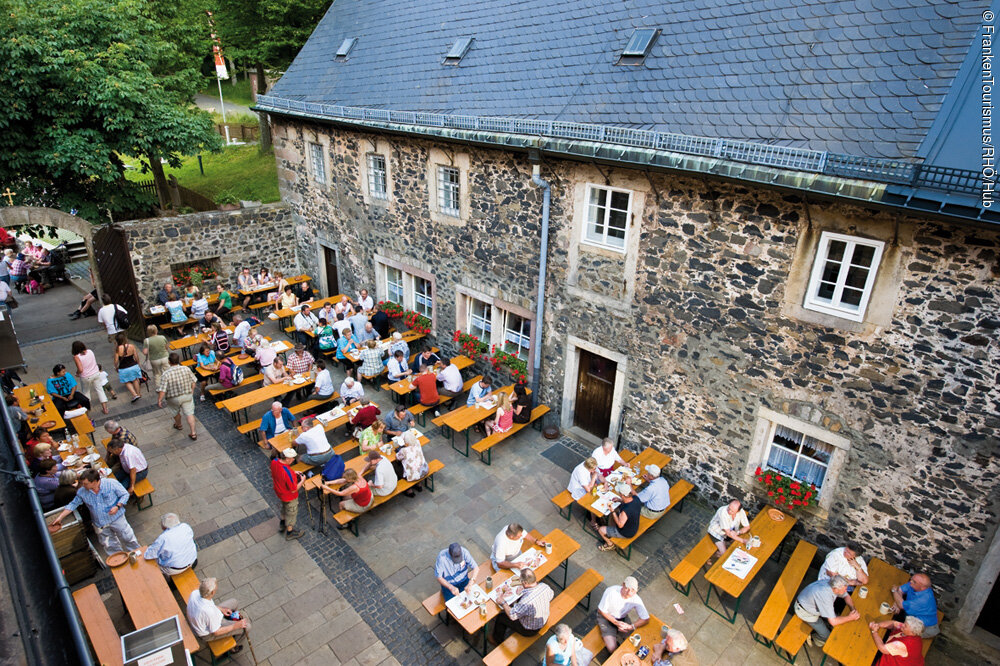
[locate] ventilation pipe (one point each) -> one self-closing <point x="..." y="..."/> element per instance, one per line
<point x="536" y="344"/>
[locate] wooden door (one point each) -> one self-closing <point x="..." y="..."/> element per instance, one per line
<point x="114" y="266"/>
<point x="332" y="279"/>
<point x="989" y="617"/>
<point x="595" y="391"/>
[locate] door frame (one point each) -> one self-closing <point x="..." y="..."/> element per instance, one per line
<point x="324" y="242"/>
<point x="571" y="377"/>
<point x="979" y="591"/>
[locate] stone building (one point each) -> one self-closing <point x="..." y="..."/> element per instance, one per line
<point x="766" y="241"/>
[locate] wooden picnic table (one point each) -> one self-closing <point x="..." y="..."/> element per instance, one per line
<point x="649" y="634"/>
<point x="274" y="285"/>
<point x="563" y="547"/>
<point x="851" y="643"/>
<point x="405" y="387"/>
<point x="49" y="411"/>
<point x="239" y="404"/>
<point x="284" y="440"/>
<point x="211" y="299"/>
<point x="648" y="457"/>
<point x="148" y="599"/>
<point x="385" y="343"/>
<point x="463" y="418"/>
<point x="772" y="534"/>
<point x="315" y="306"/>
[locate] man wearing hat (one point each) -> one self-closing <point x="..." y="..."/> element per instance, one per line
<point x="624" y="521"/>
<point x="655" y="497"/>
<point x="287" y="483"/>
<point x="454" y="569"/>
<point x="614" y="608"/>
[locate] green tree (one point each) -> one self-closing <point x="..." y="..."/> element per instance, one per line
<point x="86" y="81"/>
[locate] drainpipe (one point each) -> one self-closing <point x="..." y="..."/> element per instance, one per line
<point x="536" y="166"/>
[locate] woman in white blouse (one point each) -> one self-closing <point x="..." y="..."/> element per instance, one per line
<point x="606" y="457"/>
<point x="411" y="457"/>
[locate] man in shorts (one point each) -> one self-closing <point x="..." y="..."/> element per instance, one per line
<point x="177" y="388"/>
<point x="612" y="612"/>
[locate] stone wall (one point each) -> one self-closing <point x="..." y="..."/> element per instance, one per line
<point x="251" y="237"/>
<point x="705" y="308"/>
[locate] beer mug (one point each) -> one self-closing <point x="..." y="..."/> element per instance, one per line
<point x="885" y="608"/>
<point x="548" y="548"/>
<point x="863" y="592"/>
<point x="635" y="639"/>
<point x="489" y="583"/>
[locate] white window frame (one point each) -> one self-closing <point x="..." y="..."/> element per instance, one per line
<point x="601" y="240"/>
<point x="483" y="330"/>
<point x="410" y="278"/>
<point x="449" y="191"/>
<point x="389" y="284"/>
<point x="377" y="176"/>
<point x="835" y="305"/>
<point x="523" y="351"/>
<point x="771" y="444"/>
<point x="317" y="163"/>
<point x="423" y="301"/>
<point x="498" y="319"/>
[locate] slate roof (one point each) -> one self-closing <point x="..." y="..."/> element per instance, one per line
<point x="860" y="77"/>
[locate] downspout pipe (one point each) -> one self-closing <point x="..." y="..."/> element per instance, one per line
<point x="536" y="343"/>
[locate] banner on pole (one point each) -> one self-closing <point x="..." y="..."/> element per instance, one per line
<point x="220" y="62"/>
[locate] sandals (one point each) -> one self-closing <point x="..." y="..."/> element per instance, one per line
<point x="177" y="427"/>
<point x="192" y="437"/>
<point x="605" y="547"/>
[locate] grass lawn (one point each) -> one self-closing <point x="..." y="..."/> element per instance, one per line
<point x="238" y="93"/>
<point x="240" y="170"/>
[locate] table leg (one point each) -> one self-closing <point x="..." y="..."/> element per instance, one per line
<point x="722" y="604"/>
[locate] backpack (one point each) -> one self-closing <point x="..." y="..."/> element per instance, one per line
<point x="121" y="318"/>
<point x="333" y="469"/>
<point x="237" y="374"/>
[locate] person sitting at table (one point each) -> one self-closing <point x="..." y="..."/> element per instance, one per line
<point x="304" y="292"/>
<point x="326" y="339"/>
<point x="521" y="403"/>
<point x="344" y="307"/>
<point x="384" y="479"/>
<point x="666" y="651"/>
<point x="206" y="360"/>
<point x="264" y="276"/>
<point x="115" y="429"/>
<point x="365" y="302"/>
<point x="426" y="385"/>
<point x="299" y="362"/>
<point x="311" y="443"/>
<point x="207" y="320"/>
<point x="106" y="500"/>
<point x="398" y="422"/>
<point x="368" y="333"/>
<point x="396" y="368"/>
<point x="323" y="385"/>
<point x="814" y="606"/>
<point x="449" y="377"/>
<point x="565" y="649"/>
<point x="224" y="303"/>
<point x="280" y="283"/>
<point x="242" y="330"/>
<point x="327" y="312"/>
<point x="61" y="386"/>
<point x="607" y="457"/>
<point x="528" y="614"/>
<point x="219" y="338"/>
<point x="507" y="546"/>
<point x="351" y="391"/>
<point x="276" y="373"/>
<point x="845" y="561"/>
<point x="67" y="490"/>
<point x="504" y="416"/>
<point x="613" y="611"/>
<point x="904" y="646"/>
<point x="174" y="549"/>
<point x="380" y="322"/>
<point x="583" y="479"/>
<point x="346" y="345"/>
<point x="192" y="292"/>
<point x="46" y="483"/>
<point x="399" y="344"/>
<point x="370" y="438"/>
<point x="200" y="308"/>
<point x="275" y="421"/>
<point x="623" y="521"/>
<point x="166" y="294"/>
<point x="44" y="450"/>
<point x="426" y="357"/>
<point x="285" y="299"/>
<point x="358" y="321"/>
<point x="655" y="495"/>
<point x="154" y="348"/>
<point x="265" y="355"/>
<point x="341" y="324"/>
<point x="175" y="309"/>
<point x="916" y="599"/>
<point x="127" y="365"/>
<point x="305" y="321"/>
<point x="371" y="360"/>
<point x="729" y="522"/>
<point x="132" y="466"/>
<point x="246" y="282"/>
<point x="19" y="416"/>
<point x="479" y="393"/>
<point x="357" y="491"/>
<point x="454" y="568"/>
<point x="412" y="463"/>
<point x="38" y="436"/>
<point x="211" y="621"/>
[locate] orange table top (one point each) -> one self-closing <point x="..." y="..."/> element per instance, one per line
<point x="469" y="415"/>
<point x="315" y="306"/>
<point x="274" y="285"/>
<point x="264" y="394"/>
<point x="649" y="634"/>
<point x="771" y="532"/>
<point x="851" y="643"/>
<point x="648" y="457"/>
<point x="49" y="411"/>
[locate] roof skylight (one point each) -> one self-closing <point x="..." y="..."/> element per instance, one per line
<point x="458" y="50"/>
<point x="345" y="47"/>
<point x="639" y="45"/>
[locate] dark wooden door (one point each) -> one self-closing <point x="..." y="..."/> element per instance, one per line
<point x="989" y="617"/>
<point x="114" y="266"/>
<point x="595" y="391"/>
<point x="332" y="279"/>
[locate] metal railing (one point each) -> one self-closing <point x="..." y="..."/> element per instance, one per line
<point x="880" y="170"/>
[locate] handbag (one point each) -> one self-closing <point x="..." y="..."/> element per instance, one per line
<point x="12" y="302"/>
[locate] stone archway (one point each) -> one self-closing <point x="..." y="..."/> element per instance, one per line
<point x="13" y="216"/>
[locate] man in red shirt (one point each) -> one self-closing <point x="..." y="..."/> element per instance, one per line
<point x="287" y="483"/>
<point x="368" y="412"/>
<point x="426" y="383"/>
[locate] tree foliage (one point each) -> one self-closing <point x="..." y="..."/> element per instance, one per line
<point x="87" y="80"/>
<point x="266" y="32"/>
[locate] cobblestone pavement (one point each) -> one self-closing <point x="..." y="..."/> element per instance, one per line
<point x="340" y="599"/>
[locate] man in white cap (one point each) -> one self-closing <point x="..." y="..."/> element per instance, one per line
<point x="655" y="496"/>
<point x="287" y="483"/>
<point x="612" y="612"/>
<point x="624" y="521"/>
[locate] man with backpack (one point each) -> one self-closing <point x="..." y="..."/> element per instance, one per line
<point x="114" y="317"/>
<point x="230" y="375"/>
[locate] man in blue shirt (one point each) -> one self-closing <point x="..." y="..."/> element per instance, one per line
<point x="479" y="392"/>
<point x="655" y="496"/>
<point x="106" y="499"/>
<point x="174" y="550"/>
<point x="454" y="569"/>
<point x="916" y="598"/>
<point x="276" y="421"/>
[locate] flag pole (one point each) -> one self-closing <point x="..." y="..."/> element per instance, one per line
<point x="220" y="71"/>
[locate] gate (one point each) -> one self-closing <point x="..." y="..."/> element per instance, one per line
<point x="114" y="266"/>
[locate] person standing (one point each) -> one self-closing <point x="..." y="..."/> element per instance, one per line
<point x="107" y="315"/>
<point x="106" y="500"/>
<point x="127" y="365"/>
<point x="89" y="373"/>
<point x="286" y="483"/>
<point x="177" y="388"/>
<point x="155" y="349"/>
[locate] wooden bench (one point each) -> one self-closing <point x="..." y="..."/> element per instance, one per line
<point x="486" y="444"/>
<point x="678" y="492"/>
<point x="101" y="630"/>
<point x="187" y="582"/>
<point x="685" y="571"/>
<point x="83" y="427"/>
<point x="791" y="639"/>
<point x="350" y="518"/>
<point x="142" y="490"/>
<point x="252" y="427"/>
<point x="418" y="410"/>
<point x="928" y="641"/>
<point x="261" y="305"/>
<point x="574" y="594"/>
<point x="765" y="629"/>
<point x="564" y="501"/>
<point x="247" y="381"/>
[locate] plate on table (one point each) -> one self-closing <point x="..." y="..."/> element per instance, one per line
<point x="299" y="380"/>
<point x="46" y="424"/>
<point x="272" y="317"/>
<point x="80" y="451"/>
<point x="93" y="457"/>
<point x="466" y="602"/>
<point x="775" y="515"/>
<point x="105" y="471"/>
<point x="157" y="309"/>
<point x="116" y="559"/>
<point x="65" y="446"/>
<point x="72" y="459"/>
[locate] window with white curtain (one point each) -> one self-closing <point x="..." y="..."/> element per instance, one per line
<point x="479" y="321"/>
<point x="377" y="176"/>
<point x="394" y="285"/>
<point x="516" y="335"/>
<point x="318" y="161"/>
<point x="423" y="299"/>
<point x="797" y="455"/>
